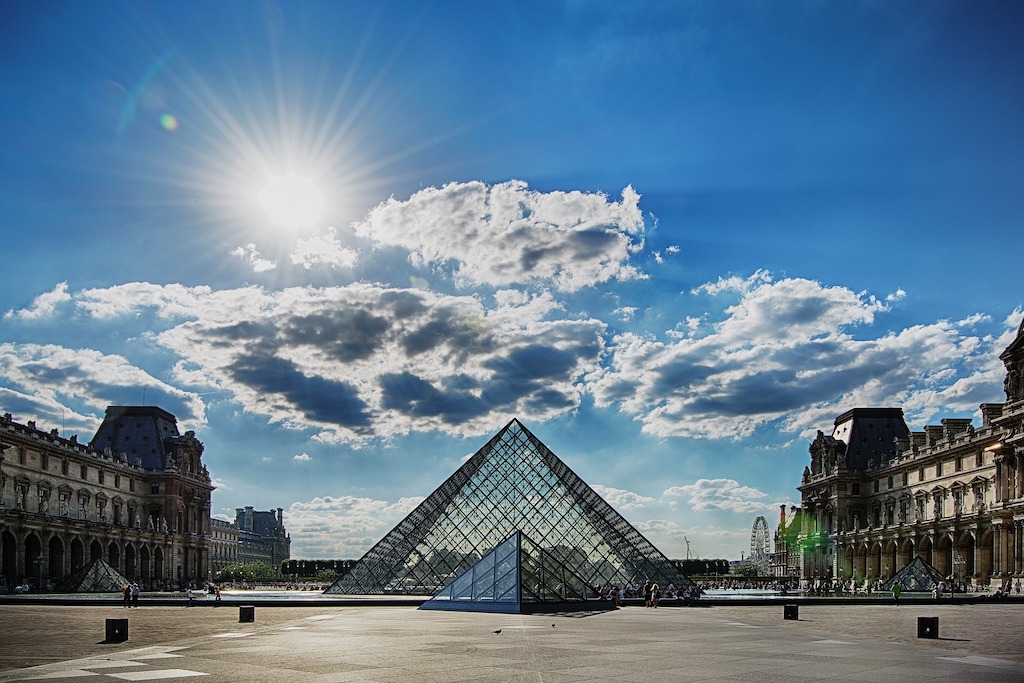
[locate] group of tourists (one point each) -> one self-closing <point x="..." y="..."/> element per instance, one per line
<point x="131" y="593"/>
<point x="651" y="593"/>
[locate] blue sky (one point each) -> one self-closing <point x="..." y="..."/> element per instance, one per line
<point x="347" y="242"/>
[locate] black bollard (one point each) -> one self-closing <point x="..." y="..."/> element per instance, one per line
<point x="117" y="631"/>
<point x="246" y="614"/>
<point x="927" y="627"/>
<point x="791" y="612"/>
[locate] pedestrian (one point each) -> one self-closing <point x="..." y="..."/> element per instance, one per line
<point x="188" y="594"/>
<point x="647" y="593"/>
<point x="655" y="595"/>
<point x="136" y="592"/>
<point x="1016" y="587"/>
<point x="896" y="592"/>
<point x="126" y="593"/>
<point x="216" y="590"/>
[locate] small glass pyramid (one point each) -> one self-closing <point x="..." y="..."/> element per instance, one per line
<point x="518" y="576"/>
<point x="917" y="576"/>
<point x="514" y="483"/>
<point x="95" y="577"/>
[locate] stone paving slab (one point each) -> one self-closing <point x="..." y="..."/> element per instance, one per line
<point x="867" y="643"/>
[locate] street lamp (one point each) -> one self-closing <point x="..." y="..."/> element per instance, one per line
<point x="958" y="561"/>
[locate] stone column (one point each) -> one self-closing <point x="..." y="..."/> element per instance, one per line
<point x="997" y="549"/>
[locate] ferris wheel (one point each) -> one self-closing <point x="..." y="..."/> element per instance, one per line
<point x="760" y="548"/>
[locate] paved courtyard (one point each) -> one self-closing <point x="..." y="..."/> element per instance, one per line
<point x="334" y="644"/>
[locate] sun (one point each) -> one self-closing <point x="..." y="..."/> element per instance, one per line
<point x="291" y="201"/>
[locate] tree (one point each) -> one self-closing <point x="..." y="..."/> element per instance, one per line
<point x="249" y="572"/>
<point x="747" y="569"/>
<point x="326" y="576"/>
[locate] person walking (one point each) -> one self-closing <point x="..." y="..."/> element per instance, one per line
<point x="647" y="593"/>
<point x="126" y="593"/>
<point x="896" y="592"/>
<point x="136" y="592"/>
<point x="190" y="596"/>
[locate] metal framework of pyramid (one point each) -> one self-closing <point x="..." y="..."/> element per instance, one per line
<point x="918" y="576"/>
<point x="95" y="577"/>
<point x="514" y="483"/>
<point x="518" y="576"/>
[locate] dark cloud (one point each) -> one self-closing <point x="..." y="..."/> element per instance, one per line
<point x="416" y="397"/>
<point x="320" y="399"/>
<point x="345" y="335"/>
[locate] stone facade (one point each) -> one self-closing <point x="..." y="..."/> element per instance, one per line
<point x="224" y="542"/>
<point x="876" y="495"/>
<point x="262" y="537"/>
<point x="138" y="495"/>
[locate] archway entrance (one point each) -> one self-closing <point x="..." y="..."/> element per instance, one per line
<point x="77" y="554"/>
<point x="55" y="570"/>
<point x="9" y="562"/>
<point x="114" y="556"/>
<point x="32" y="567"/>
<point x="129" y="562"/>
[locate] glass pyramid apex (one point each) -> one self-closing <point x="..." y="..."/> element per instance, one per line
<point x="513" y="483"/>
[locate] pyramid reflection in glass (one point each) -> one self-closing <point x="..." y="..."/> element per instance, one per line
<point x="514" y="483"/>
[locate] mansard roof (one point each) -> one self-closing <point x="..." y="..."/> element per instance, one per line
<point x="870" y="435"/>
<point x="138" y="432"/>
<point x="1016" y="345"/>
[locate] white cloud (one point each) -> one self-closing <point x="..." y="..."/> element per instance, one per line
<point x="44" y="305"/>
<point x="323" y="250"/>
<point x="621" y="499"/>
<point x="251" y="256"/>
<point x="342" y="527"/>
<point x="784" y="352"/>
<point x="720" y="494"/>
<point x="506" y="234"/>
<point x="73" y="386"/>
<point x="302" y="457"/>
<point x="364" y="361"/>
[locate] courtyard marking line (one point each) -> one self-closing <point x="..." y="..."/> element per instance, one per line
<point x="156" y="675"/>
<point x="231" y="635"/>
<point x="321" y="617"/>
<point x="105" y="663"/>
<point x="831" y="642"/>
<point x="1006" y="664"/>
<point x="72" y="673"/>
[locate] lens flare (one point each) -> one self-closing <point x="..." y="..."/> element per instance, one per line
<point x="169" y="122"/>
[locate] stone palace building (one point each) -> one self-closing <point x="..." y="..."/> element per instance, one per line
<point x="876" y="495"/>
<point x="138" y="495"/>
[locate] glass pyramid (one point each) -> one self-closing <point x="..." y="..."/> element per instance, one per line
<point x="95" y="577"/>
<point x="514" y="483"/>
<point x="517" y="577"/>
<point x="917" y="576"/>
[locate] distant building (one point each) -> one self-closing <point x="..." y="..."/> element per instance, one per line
<point x="224" y="542"/>
<point x="785" y="560"/>
<point x="877" y="495"/>
<point x="262" y="537"/>
<point x="138" y="496"/>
